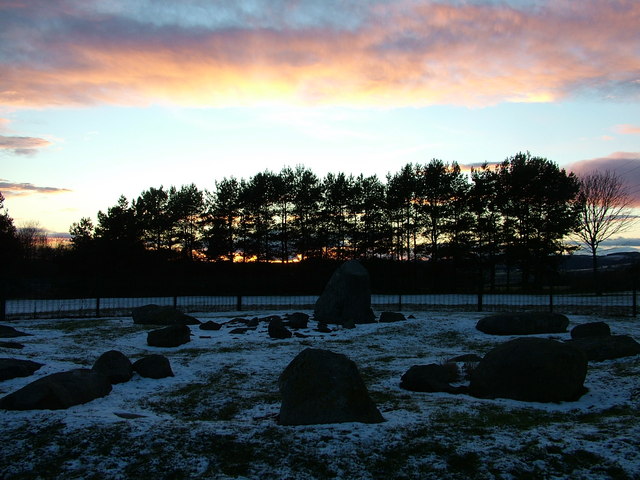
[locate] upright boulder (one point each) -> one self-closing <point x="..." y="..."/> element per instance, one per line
<point x="115" y="366"/>
<point x="531" y="370"/>
<point x="171" y="336"/>
<point x="58" y="391"/>
<point x="526" y="323"/>
<point x="431" y="378"/>
<point x="161" y="315"/>
<point x="297" y="320"/>
<point x="347" y="296"/>
<point x="320" y="387"/>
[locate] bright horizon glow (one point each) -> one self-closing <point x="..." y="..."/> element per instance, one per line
<point x="99" y="99"/>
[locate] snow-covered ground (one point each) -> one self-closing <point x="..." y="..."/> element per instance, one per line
<point x="217" y="417"/>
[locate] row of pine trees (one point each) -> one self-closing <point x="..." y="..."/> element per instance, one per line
<point x="520" y="209"/>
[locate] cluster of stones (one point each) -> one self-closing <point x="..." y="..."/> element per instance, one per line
<point x="529" y="368"/>
<point x="81" y="385"/>
<point x="320" y="386"/>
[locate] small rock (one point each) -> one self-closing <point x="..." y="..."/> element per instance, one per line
<point x="153" y="366"/>
<point x="171" y="336"/>
<point x="13" y="368"/>
<point x="10" y="332"/>
<point x="210" y="325"/>
<point x="389" y="317"/>
<point x="591" y="329"/>
<point x="278" y="330"/>
<point x="115" y="366"/>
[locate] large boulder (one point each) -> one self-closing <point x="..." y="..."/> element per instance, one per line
<point x="171" y="336"/>
<point x="58" y="391"/>
<point x="431" y="378"/>
<point x="13" y="368"/>
<point x="346" y="297"/>
<point x="115" y="366"/>
<point x="527" y="323"/>
<point x="10" y="332"/>
<point x="161" y="315"/>
<point x="591" y="329"/>
<point x="606" y="347"/>
<point x="320" y="387"/>
<point x="153" y="366"/>
<point x="532" y="370"/>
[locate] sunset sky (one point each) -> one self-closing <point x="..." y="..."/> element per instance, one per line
<point x="100" y="98"/>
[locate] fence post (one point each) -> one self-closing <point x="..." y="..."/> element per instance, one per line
<point x="551" y="298"/>
<point x="634" y="302"/>
<point x="97" y="307"/>
<point x="239" y="303"/>
<point x="175" y="302"/>
<point x="3" y="309"/>
<point x="480" y="299"/>
<point x="399" y="303"/>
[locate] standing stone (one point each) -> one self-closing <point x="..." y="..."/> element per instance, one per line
<point x="606" y="347"/>
<point x="531" y="370"/>
<point x="347" y="296"/>
<point x="320" y="387"/>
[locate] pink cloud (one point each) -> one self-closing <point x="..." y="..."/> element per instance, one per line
<point x="628" y="129"/>
<point x="625" y="165"/>
<point x="385" y="53"/>
<point x="22" y="145"/>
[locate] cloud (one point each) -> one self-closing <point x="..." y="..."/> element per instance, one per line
<point x="626" y="165"/>
<point x="22" y="145"/>
<point x="370" y="52"/>
<point x="628" y="129"/>
<point x="10" y="189"/>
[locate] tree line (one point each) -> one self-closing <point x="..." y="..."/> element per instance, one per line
<point x="520" y="210"/>
<point x="518" y="213"/>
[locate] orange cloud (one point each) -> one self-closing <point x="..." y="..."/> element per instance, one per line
<point x="381" y="54"/>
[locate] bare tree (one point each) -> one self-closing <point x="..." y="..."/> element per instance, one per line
<point x="33" y="238"/>
<point x="605" y="211"/>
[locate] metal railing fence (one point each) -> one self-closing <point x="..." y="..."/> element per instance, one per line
<point x="618" y="304"/>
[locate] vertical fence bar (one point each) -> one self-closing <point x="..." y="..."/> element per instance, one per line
<point x="3" y="309"/>
<point x="399" y="303"/>
<point x="480" y="300"/>
<point x="97" y="307"/>
<point x="239" y="303"/>
<point x="634" y="302"/>
<point x="175" y="302"/>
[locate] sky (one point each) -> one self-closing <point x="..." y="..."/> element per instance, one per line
<point x="100" y="98"/>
